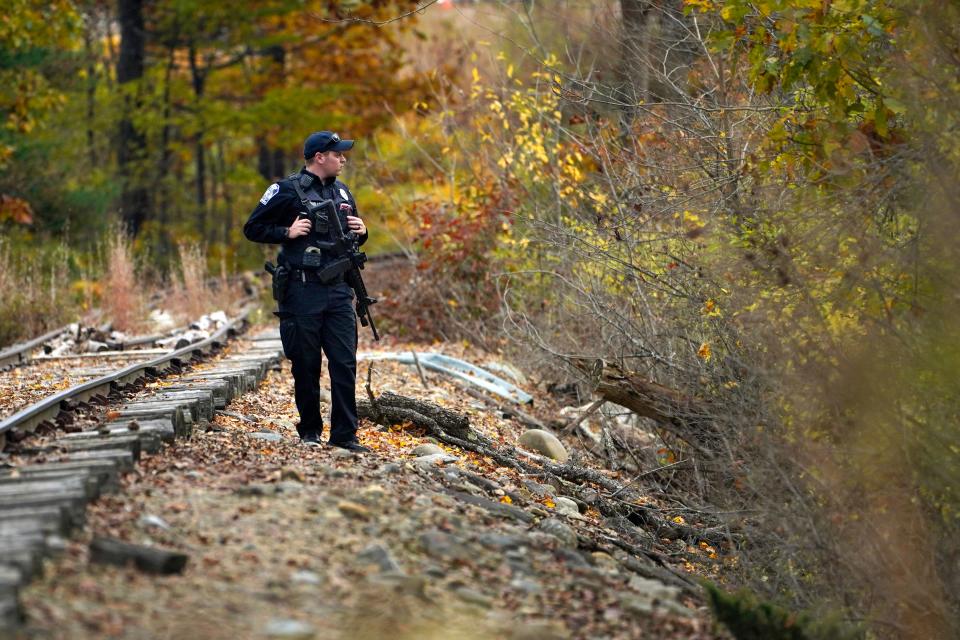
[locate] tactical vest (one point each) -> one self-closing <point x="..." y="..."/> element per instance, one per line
<point x="291" y="254"/>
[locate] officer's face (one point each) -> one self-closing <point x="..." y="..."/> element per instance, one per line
<point x="330" y="163"/>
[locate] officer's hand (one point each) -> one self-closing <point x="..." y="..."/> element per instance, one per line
<point x="356" y="225"/>
<point x="300" y="227"/>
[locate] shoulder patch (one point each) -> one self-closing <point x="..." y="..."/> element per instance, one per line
<point x="269" y="193"/>
<point x="343" y="194"/>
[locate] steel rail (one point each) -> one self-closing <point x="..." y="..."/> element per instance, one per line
<point x="49" y="407"/>
<point x="20" y="353"/>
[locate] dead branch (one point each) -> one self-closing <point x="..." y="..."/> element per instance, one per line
<point x="575" y="422"/>
<point x="454" y="429"/>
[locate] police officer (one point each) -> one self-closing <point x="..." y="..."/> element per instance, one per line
<point x="316" y="316"/>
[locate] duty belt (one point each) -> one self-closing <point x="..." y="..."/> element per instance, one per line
<point x="310" y="275"/>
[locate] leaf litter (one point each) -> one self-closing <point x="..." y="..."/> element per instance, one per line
<point x="327" y="544"/>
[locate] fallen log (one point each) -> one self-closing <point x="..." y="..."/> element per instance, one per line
<point x="683" y="415"/>
<point x="390" y="409"/>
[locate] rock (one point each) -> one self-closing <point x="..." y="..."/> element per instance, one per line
<point x="162" y="320"/>
<point x="353" y="510"/>
<point x="435" y="571"/>
<point x="427" y="450"/>
<point x="498" y="508"/>
<point x="559" y="530"/>
<point x="536" y="630"/>
<point x="373" y="494"/>
<point x="293" y="474"/>
<point x="525" y="585"/>
<point x="256" y="490"/>
<point x="286" y="424"/>
<point x="289" y="629"/>
<point x="482" y="482"/>
<point x="269" y="436"/>
<point x="537" y="489"/>
<point x="402" y="583"/>
<point x="306" y="577"/>
<point x="379" y="555"/>
<point x="501" y="541"/>
<point x="572" y="557"/>
<point x="589" y="496"/>
<point x="544" y="443"/>
<point x="150" y="521"/>
<point x="519" y="563"/>
<point x="438" y="544"/>
<point x="604" y="561"/>
<point x="343" y="453"/>
<point x="472" y="596"/>
<point x="637" y="605"/>
<point x="566" y="507"/>
<point x="218" y="318"/>
<point x="653" y="589"/>
<point x="288" y="486"/>
<point x="434" y="459"/>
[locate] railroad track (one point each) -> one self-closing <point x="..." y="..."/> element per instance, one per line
<point x="34" y="377"/>
<point x="69" y="448"/>
<point x="25" y="353"/>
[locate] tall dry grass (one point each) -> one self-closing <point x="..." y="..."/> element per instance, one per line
<point x="124" y="300"/>
<point x="35" y="294"/>
<point x="194" y="292"/>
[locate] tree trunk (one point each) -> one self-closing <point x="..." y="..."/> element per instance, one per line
<point x="655" y="49"/>
<point x="91" y="95"/>
<point x="228" y="219"/>
<point x="271" y="162"/>
<point x="198" y="76"/>
<point x="131" y="143"/>
<point x="166" y="158"/>
<point x="634" y="72"/>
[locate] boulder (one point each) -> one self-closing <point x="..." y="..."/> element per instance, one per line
<point x="427" y="450"/>
<point x="269" y="436"/>
<point x="289" y="629"/>
<point x="567" y="507"/>
<point x="379" y="556"/>
<point x="544" y="443"/>
<point x="562" y="532"/>
<point x="434" y="459"/>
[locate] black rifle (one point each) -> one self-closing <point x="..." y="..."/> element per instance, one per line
<point x="348" y="260"/>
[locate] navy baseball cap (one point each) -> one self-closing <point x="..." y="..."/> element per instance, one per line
<point x="324" y="141"/>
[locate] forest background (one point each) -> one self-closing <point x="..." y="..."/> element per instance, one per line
<point x="748" y="207"/>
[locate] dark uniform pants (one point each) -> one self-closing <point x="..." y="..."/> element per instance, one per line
<point x="319" y="319"/>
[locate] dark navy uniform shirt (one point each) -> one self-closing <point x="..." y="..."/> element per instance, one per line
<point x="277" y="210"/>
<point x="280" y="206"/>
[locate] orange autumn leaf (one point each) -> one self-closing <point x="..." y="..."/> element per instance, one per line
<point x="704" y="352"/>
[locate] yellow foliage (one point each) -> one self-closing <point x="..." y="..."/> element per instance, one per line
<point x="705" y="352"/>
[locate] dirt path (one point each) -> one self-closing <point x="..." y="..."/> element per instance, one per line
<point x="288" y="542"/>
